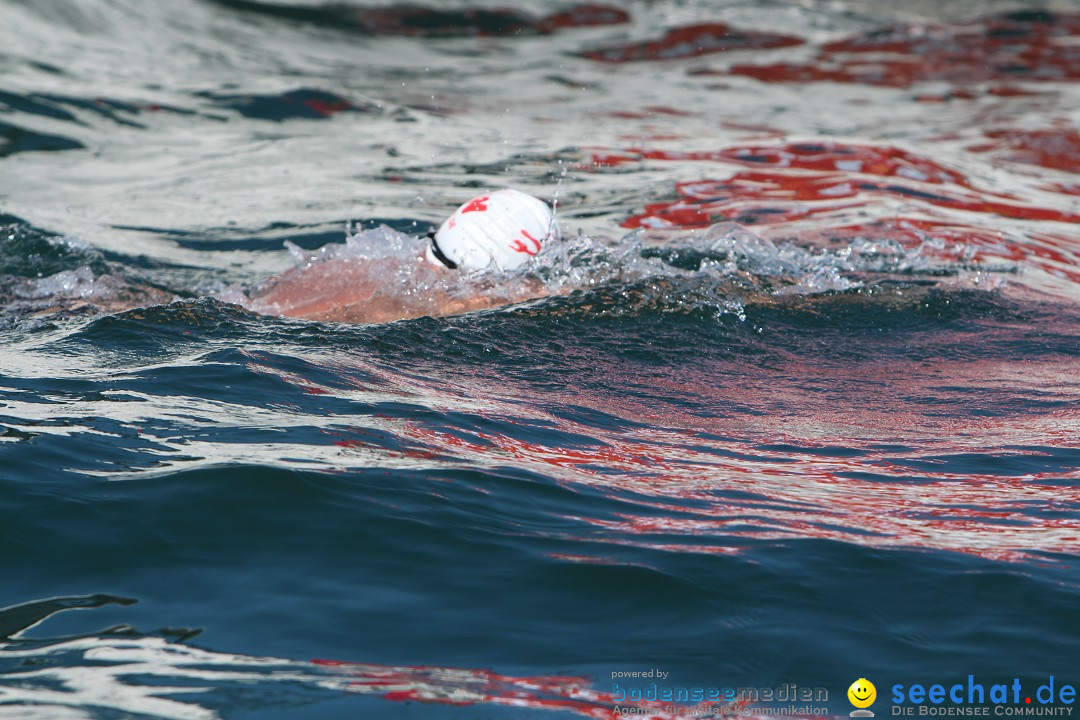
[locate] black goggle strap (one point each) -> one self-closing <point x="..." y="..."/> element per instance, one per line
<point x="438" y="253"/>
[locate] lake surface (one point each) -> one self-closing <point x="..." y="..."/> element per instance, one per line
<point x="800" y="406"/>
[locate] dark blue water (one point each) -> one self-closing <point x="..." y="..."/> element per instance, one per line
<point x="831" y="448"/>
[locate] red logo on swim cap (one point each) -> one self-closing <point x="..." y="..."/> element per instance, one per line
<point x="519" y="246"/>
<point x="476" y="204"/>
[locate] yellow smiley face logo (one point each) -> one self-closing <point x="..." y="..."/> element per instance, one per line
<point x="862" y="693"/>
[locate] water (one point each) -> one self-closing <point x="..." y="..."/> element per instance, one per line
<point x="794" y="402"/>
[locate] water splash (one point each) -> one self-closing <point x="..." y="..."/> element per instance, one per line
<point x="379" y="274"/>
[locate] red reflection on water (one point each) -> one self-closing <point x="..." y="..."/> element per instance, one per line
<point x="588" y="15"/>
<point x="1057" y="255"/>
<point x="833" y="182"/>
<point x="768" y="197"/>
<point x="881" y="464"/>
<point x="692" y="41"/>
<point x="459" y="686"/>
<point x="326" y="109"/>
<point x="1057" y="148"/>
<point x="415" y="21"/>
<point x="830" y="156"/>
<point x="1006" y="48"/>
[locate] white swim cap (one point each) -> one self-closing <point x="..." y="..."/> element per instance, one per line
<point x="502" y="229"/>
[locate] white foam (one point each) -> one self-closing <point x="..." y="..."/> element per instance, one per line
<point x="385" y="268"/>
<point x="80" y="283"/>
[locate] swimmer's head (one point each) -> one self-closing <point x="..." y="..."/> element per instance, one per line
<point x="502" y="229"/>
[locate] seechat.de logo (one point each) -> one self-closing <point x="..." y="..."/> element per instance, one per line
<point x="975" y="698"/>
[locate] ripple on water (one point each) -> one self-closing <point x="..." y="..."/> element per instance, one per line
<point x="800" y="393"/>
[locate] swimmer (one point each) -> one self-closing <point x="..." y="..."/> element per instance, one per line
<point x="499" y="231"/>
<point x="467" y="264"/>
